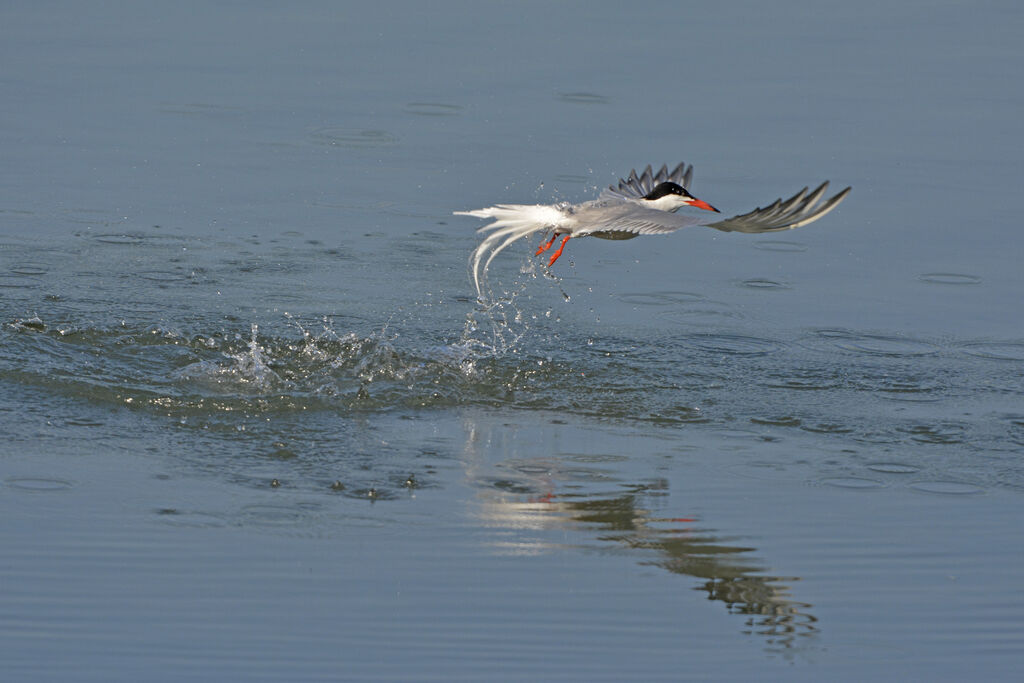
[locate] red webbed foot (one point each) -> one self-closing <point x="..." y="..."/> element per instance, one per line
<point x="546" y="245"/>
<point x="554" y="257"/>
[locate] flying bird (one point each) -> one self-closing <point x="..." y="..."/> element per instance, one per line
<point x="643" y="204"/>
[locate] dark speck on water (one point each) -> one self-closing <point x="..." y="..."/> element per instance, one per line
<point x="228" y="260"/>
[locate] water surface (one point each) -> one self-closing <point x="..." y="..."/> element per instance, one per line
<point x="257" y="426"/>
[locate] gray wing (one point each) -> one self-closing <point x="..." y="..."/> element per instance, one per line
<point x="800" y="209"/>
<point x="627" y="218"/>
<point x="637" y="186"/>
<point x="630" y="217"/>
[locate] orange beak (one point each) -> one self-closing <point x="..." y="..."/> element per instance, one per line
<point x="701" y="204"/>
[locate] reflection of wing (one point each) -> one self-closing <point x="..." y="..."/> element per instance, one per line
<point x="636" y="186"/>
<point x="629" y="217"/>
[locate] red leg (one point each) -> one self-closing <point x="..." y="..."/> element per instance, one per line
<point x="547" y="245"/>
<point x="554" y="257"/>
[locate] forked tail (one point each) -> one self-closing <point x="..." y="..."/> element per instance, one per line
<point x="511" y="222"/>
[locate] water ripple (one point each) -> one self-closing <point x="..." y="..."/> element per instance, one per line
<point x="949" y="279"/>
<point x="19" y="282"/>
<point x="162" y="276"/>
<point x="92" y="217"/>
<point x="780" y="245"/>
<point x="1012" y="351"/>
<point x="583" y="98"/>
<point x="433" y="109"/>
<point x="666" y="298"/>
<point x="936" y="433"/>
<point x="768" y="471"/>
<point x="39" y="484"/>
<point x="870" y="344"/>
<point x="804" y="379"/>
<point x="711" y="312"/>
<point x="947" y="488"/>
<point x="192" y="519"/>
<point x="733" y="344"/>
<point x="574" y="178"/>
<point x="897" y="387"/>
<point x="352" y="138"/>
<point x="827" y="428"/>
<point x="762" y="283"/>
<point x="29" y="269"/>
<point x="198" y="109"/>
<point x="858" y="483"/>
<point x="780" y="421"/>
<point x="119" y="238"/>
<point x="284" y="515"/>
<point x="893" y="468"/>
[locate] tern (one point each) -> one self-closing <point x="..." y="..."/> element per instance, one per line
<point x="641" y="204"/>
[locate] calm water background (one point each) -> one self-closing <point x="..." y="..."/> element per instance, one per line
<point x="227" y="258"/>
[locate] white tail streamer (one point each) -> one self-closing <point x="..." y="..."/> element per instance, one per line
<point x="511" y="222"/>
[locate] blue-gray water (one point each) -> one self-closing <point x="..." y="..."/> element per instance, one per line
<point x="255" y="426"/>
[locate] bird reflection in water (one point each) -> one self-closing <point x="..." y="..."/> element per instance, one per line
<point x="728" y="572"/>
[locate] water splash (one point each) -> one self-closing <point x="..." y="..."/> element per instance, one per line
<point x="248" y="371"/>
<point x="497" y="326"/>
<point x="505" y="355"/>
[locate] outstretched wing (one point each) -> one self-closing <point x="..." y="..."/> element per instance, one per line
<point x="800" y="209"/>
<point x="629" y="217"/>
<point x="637" y="186"/>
